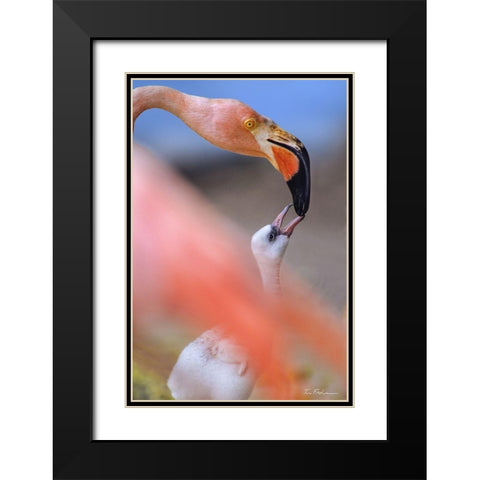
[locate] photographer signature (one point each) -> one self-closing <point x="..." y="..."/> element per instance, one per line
<point x="318" y="391"/>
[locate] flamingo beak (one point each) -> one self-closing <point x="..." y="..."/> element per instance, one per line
<point x="293" y="162"/>
<point x="288" y="230"/>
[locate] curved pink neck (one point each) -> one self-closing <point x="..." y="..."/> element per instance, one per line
<point x="165" y="98"/>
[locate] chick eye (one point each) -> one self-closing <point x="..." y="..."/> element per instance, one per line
<point x="271" y="237"/>
<point x="250" y="123"/>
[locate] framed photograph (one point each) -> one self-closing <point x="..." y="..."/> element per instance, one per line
<point x="239" y="239"/>
<point x="178" y="351"/>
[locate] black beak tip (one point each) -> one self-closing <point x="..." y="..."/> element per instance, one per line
<point x="300" y="205"/>
<point x="299" y="184"/>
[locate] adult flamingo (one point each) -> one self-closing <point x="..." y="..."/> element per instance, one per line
<point x="234" y="126"/>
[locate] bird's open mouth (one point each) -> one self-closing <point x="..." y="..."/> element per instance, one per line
<point x="293" y="162"/>
<point x="288" y="230"/>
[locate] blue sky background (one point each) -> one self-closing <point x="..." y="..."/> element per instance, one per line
<point x="312" y="110"/>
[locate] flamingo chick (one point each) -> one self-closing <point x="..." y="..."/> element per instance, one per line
<point x="214" y="366"/>
<point x="234" y="126"/>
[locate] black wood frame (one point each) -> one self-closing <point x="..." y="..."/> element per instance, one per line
<point x="77" y="24"/>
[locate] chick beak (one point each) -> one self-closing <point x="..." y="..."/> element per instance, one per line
<point x="293" y="162"/>
<point x="288" y="230"/>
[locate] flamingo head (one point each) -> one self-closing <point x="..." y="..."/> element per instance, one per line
<point x="270" y="242"/>
<point x="236" y="127"/>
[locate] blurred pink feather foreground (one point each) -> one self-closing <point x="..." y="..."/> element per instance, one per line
<point x="191" y="262"/>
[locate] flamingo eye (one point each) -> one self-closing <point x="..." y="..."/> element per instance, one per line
<point x="271" y="237"/>
<point x="250" y="124"/>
